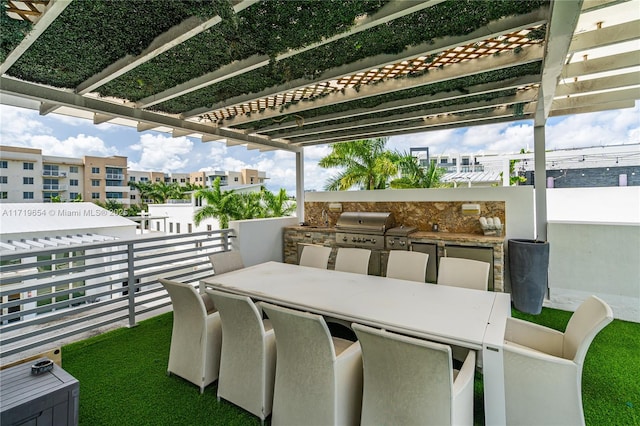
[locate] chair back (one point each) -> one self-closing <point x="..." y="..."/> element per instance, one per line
<point x="226" y="261"/>
<point x="406" y="380"/>
<point x="407" y="265"/>
<point x="187" y="304"/>
<point x="305" y="379"/>
<point x="241" y="319"/>
<point x="585" y="323"/>
<point x="457" y="272"/>
<point x="354" y="260"/>
<point x="315" y="256"/>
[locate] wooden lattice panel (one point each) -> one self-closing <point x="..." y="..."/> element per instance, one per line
<point x="26" y="10"/>
<point x="493" y="46"/>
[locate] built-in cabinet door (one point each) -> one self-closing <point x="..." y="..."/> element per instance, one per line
<point x="432" y="263"/>
<point x="483" y="254"/>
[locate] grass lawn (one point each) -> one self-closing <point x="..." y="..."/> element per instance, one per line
<point x="123" y="378"/>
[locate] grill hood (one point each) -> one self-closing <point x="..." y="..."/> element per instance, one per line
<point x="365" y="222"/>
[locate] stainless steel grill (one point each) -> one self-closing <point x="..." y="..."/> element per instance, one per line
<point x="363" y="229"/>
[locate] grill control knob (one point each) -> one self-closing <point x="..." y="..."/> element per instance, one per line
<point x="391" y="242"/>
<point x="373" y="240"/>
<point x="353" y="239"/>
<point x="402" y="243"/>
<point x="344" y="239"/>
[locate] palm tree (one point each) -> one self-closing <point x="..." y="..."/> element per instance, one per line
<point x="277" y="205"/>
<point x="365" y="163"/>
<point x="249" y="206"/>
<point x="144" y="188"/>
<point x="161" y="192"/>
<point x="415" y="176"/>
<point x="222" y="205"/>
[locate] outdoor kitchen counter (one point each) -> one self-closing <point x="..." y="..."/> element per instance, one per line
<point x="452" y="236"/>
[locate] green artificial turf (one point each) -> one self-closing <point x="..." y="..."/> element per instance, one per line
<point x="123" y="378"/>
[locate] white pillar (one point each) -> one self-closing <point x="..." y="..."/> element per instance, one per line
<point x="300" y="185"/>
<point x="540" y="182"/>
<point x="506" y="172"/>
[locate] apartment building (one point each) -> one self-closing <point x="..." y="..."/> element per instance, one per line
<point x="27" y="176"/>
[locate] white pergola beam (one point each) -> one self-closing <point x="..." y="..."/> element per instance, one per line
<point x="564" y="18"/>
<point x="607" y="106"/>
<point x="38" y="92"/>
<point x="604" y="64"/>
<point x="142" y="126"/>
<point x="394" y="10"/>
<point x="50" y="13"/>
<point x="599" y="98"/>
<point x="419" y="126"/>
<point x="102" y="118"/>
<point x="598" y="84"/>
<point x="395" y="118"/>
<point x="606" y="36"/>
<point x="410" y="102"/>
<point x="494" y="29"/>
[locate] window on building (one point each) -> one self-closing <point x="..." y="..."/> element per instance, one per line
<point x="4" y="179"/>
<point x="73" y="169"/>
<point x="170" y="227"/>
<point x="4" y="195"/>
<point x="209" y="227"/>
<point x="95" y="182"/>
<point x="132" y="197"/>
<point x="73" y="182"/>
<point x="251" y="179"/>
<point x="177" y="228"/>
<point x="157" y="179"/>
<point x="95" y="195"/>
<point x="183" y="180"/>
<point x="50" y="170"/>
<point x="235" y="179"/>
<point x="73" y="195"/>
<point x="110" y="182"/>
<point x="27" y="166"/>
<point x="189" y="227"/>
<point x="27" y="195"/>
<point x="144" y="179"/>
<point x="114" y="195"/>
<point x="4" y="164"/>
<point x="27" y="181"/>
<point x="95" y="170"/>
<point x="174" y="180"/>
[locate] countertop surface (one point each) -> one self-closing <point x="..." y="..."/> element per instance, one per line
<point x="424" y="235"/>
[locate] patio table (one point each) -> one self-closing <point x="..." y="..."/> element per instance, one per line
<point x="469" y="318"/>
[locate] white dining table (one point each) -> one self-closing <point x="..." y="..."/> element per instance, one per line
<point x="469" y="318"/>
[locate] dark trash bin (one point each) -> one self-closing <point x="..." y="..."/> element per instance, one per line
<point x="528" y="269"/>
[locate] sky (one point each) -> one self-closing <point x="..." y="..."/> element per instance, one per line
<point x="65" y="136"/>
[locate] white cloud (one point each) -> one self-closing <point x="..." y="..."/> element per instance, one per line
<point x="19" y="125"/>
<point x="76" y="146"/>
<point x="162" y="153"/>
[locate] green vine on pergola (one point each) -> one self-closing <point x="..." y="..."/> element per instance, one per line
<point x="450" y="18"/>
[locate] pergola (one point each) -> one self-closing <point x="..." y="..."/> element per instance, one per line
<point x="281" y="74"/>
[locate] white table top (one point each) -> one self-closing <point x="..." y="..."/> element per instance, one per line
<point x="446" y="314"/>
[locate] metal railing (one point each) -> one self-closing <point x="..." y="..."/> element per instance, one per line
<point x="55" y="293"/>
<point x="53" y="187"/>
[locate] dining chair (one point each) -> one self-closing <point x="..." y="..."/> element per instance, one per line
<point x="409" y="381"/>
<point x="248" y="359"/>
<point x="354" y="260"/>
<point x="407" y="265"/>
<point x="543" y="366"/>
<point x="315" y="256"/>
<point x="318" y="377"/>
<point x="196" y="336"/>
<point x="226" y="261"/>
<point x="457" y="272"/>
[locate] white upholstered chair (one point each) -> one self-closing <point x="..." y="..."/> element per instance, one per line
<point x="466" y="273"/>
<point x="318" y="377"/>
<point x="315" y="256"/>
<point x="226" y="261"/>
<point x="409" y="381"/>
<point x="248" y="360"/>
<point x="543" y="367"/>
<point x="195" y="338"/>
<point x="353" y="260"/>
<point x="407" y="265"/>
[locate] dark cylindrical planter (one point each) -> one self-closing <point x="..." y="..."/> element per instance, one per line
<point x="528" y="269"/>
